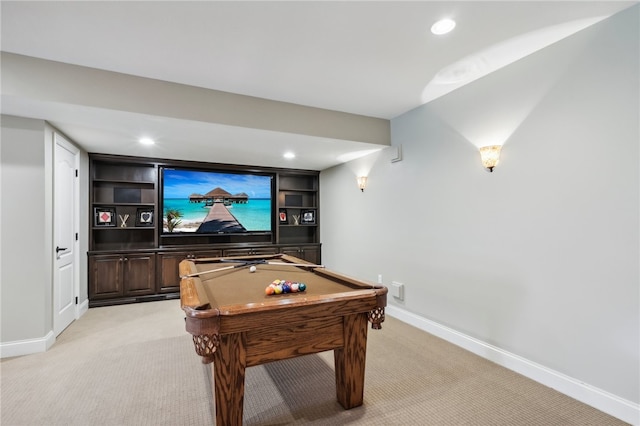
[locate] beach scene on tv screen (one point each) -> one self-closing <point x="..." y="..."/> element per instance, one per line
<point x="213" y="202"/>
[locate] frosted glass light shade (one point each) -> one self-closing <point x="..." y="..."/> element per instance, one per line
<point x="362" y="182"/>
<point x="490" y="156"/>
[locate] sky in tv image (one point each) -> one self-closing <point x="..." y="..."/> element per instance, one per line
<point x="183" y="183"/>
<point x="212" y="215"/>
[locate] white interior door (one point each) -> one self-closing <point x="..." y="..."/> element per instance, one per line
<point x="65" y="225"/>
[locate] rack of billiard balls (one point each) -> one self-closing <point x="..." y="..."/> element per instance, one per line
<point x="283" y="286"/>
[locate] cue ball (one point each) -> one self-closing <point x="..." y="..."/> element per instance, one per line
<point x="252" y="269"/>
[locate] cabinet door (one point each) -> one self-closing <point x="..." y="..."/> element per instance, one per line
<point x="168" y="270"/>
<point x="168" y="267"/>
<point x="105" y="277"/>
<point x="308" y="253"/>
<point x="139" y="274"/>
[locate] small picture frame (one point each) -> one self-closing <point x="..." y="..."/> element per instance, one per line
<point x="282" y="215"/>
<point x="308" y="217"/>
<point x="104" y="216"/>
<point x="144" y="217"/>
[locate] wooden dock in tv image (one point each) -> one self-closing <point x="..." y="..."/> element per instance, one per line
<point x="220" y="219"/>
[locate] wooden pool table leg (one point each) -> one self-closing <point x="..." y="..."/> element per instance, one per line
<point x="350" y="361"/>
<point x="229" y="367"/>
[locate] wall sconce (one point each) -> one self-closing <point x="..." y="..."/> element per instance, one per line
<point x="490" y="156"/>
<point x="362" y="182"/>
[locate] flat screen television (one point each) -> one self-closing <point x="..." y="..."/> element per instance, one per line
<point x="210" y="202"/>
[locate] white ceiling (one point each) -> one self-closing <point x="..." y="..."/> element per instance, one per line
<point x="376" y="59"/>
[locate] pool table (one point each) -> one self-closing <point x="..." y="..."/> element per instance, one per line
<point x="235" y="324"/>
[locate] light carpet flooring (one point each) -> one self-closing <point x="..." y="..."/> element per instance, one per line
<point x="135" y="365"/>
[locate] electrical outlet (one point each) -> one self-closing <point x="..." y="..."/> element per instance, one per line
<point x="379" y="278"/>
<point x="397" y="290"/>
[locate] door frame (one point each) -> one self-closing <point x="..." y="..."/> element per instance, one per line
<point x="59" y="139"/>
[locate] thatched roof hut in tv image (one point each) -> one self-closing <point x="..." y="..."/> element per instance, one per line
<point x="219" y="218"/>
<point x="219" y="195"/>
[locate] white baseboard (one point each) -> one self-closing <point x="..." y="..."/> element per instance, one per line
<point x="604" y="401"/>
<point x="32" y="346"/>
<point x="26" y="347"/>
<point x="82" y="308"/>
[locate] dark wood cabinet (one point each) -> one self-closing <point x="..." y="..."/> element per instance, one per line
<point x="131" y="259"/>
<point x="139" y="274"/>
<point x="168" y="276"/>
<point x="122" y="228"/>
<point x="105" y="277"/>
<point x="308" y="253"/>
<point x="123" y="275"/>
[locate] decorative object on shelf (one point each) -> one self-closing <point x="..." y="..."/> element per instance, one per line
<point x="490" y="156"/>
<point x="309" y="217"/>
<point x="296" y="219"/>
<point x="144" y="217"/>
<point x="104" y="216"/>
<point x="283" y="216"/>
<point x="123" y="220"/>
<point x="362" y="182"/>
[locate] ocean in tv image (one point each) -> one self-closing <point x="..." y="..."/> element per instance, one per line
<point x="215" y="202"/>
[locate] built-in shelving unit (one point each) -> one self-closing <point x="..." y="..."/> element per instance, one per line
<point x="123" y="200"/>
<point x="298" y="208"/>
<point x="131" y="259"/>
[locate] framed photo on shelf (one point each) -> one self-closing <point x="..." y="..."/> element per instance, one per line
<point x="308" y="217"/>
<point x="104" y="216"/>
<point x="144" y="217"/>
<point x="282" y="215"/>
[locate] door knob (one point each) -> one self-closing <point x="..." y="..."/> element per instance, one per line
<point x="59" y="249"/>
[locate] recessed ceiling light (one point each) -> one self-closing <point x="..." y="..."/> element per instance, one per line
<point x="443" y="26"/>
<point x="147" y="141"/>
<point x="289" y="155"/>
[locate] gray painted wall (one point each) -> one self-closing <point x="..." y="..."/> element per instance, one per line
<point x="26" y="229"/>
<point x="539" y="258"/>
<point x="25" y="281"/>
